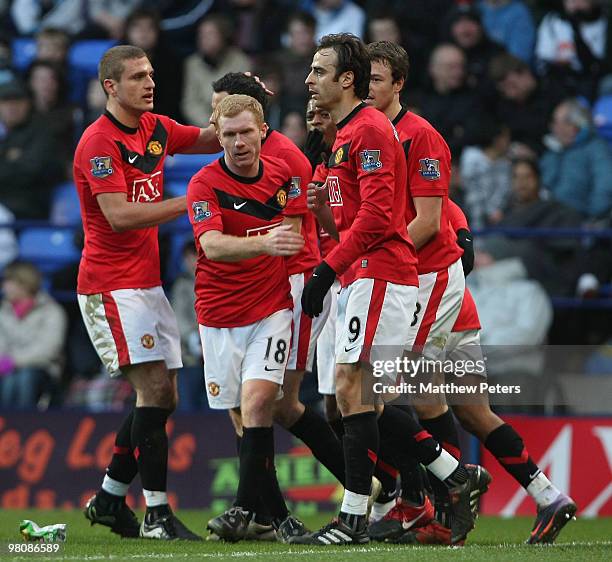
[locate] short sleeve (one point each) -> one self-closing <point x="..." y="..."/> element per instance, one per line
<point x="203" y="208"/>
<point x="180" y="137"/>
<point x="428" y="165"/>
<point x="101" y="164"/>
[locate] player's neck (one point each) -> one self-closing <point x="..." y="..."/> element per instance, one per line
<point x="344" y="107"/>
<point x="125" y="116"/>
<point x="242" y="171"/>
<point x="392" y="111"/>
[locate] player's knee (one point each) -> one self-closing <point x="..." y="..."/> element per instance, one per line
<point x="475" y="419"/>
<point x="255" y="405"/>
<point x="161" y="392"/>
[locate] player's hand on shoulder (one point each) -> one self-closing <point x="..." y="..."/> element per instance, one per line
<point x="316" y="196"/>
<point x="283" y="241"/>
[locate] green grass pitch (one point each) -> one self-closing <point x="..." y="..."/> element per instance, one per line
<point x="493" y="539"/>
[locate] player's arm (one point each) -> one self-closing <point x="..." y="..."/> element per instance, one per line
<point x="465" y="240"/>
<point x="206" y="143"/>
<point x="426" y="223"/>
<point x="294" y="222"/>
<point x="124" y="215"/>
<point x="280" y="241"/>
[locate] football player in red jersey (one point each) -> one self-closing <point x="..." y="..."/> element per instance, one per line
<point x="118" y="171"/>
<point x="441" y="279"/>
<point x="246" y="219"/>
<point x="376" y="260"/>
<point x="302" y="421"/>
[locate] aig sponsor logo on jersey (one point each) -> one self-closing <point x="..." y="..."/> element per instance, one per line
<point x="200" y="211"/>
<point x="370" y="160"/>
<point x="261" y="230"/>
<point x="146" y="190"/>
<point x="101" y="166"/>
<point x="333" y="187"/>
<point x="430" y="168"/>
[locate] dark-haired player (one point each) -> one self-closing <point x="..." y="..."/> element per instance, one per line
<point x="366" y="192"/>
<point x="246" y="220"/>
<point x="118" y="171"/>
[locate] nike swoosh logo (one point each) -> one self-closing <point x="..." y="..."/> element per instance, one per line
<point x="532" y="476"/>
<point x="132" y="159"/>
<point x="266" y="369"/>
<point x="347" y="349"/>
<point x="240" y="206"/>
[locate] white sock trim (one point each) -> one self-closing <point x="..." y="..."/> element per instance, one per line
<point x="114" y="486"/>
<point x="444" y="465"/>
<point x="542" y="490"/>
<point x="153" y="499"/>
<point x="379" y="510"/>
<point x="355" y="504"/>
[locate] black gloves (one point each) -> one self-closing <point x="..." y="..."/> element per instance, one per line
<point x="465" y="240"/>
<point x="315" y="148"/>
<point x="316" y="288"/>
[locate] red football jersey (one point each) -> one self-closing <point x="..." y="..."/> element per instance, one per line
<point x="326" y="242"/>
<point x="111" y="157"/>
<point x="366" y="179"/>
<point x="279" y="146"/>
<point x="468" y="315"/>
<point x="428" y="161"/>
<point x="232" y="294"/>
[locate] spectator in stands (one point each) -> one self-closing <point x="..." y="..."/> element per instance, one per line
<point x="464" y="29"/>
<point x="294" y="127"/>
<point x="577" y="169"/>
<point x="524" y="104"/>
<point x="52" y="44"/>
<point x="485" y="172"/>
<point x="548" y="260"/>
<point x="513" y="311"/>
<point x="509" y="23"/>
<point x="27" y="15"/>
<point x="95" y="101"/>
<point x="8" y="242"/>
<point x="294" y="61"/>
<point x="30" y="161"/>
<point x="32" y="332"/>
<point x="101" y="19"/>
<point x="190" y="379"/>
<point x="451" y="106"/>
<point x="142" y="29"/>
<point x="338" y="16"/>
<point x="571" y="46"/>
<point x="7" y="72"/>
<point x="49" y="97"/>
<point x="215" y="56"/>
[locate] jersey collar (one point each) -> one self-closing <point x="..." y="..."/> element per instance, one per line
<point x="119" y="124"/>
<point x="242" y="179"/>
<point x="399" y="116"/>
<point x="350" y="115"/>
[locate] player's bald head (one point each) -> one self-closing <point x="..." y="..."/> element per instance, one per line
<point x="111" y="65"/>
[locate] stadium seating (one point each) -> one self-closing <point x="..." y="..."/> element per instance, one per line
<point x="50" y="248"/>
<point x="83" y="59"/>
<point x="180" y="167"/>
<point x="602" y="117"/>
<point x="65" y="206"/>
<point x="24" y="51"/>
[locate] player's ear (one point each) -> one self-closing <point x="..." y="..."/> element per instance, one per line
<point x="110" y="87"/>
<point x="347" y="79"/>
<point x="398" y="85"/>
<point x="264" y="130"/>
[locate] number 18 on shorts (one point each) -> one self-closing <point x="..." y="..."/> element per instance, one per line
<point x="235" y="355"/>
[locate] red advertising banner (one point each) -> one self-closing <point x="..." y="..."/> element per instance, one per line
<point x="57" y="459"/>
<point x="575" y="453"/>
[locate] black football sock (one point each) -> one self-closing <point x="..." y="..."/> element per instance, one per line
<point x="150" y="443"/>
<point x="386" y="470"/>
<point x="123" y="466"/>
<point x="258" y="473"/>
<point x="319" y="437"/>
<point x="262" y="514"/>
<point x="444" y="431"/>
<point x="509" y="449"/>
<point x="360" y="445"/>
<point x="338" y="427"/>
<point x="413" y="485"/>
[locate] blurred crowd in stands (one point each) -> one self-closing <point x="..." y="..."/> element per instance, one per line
<point x="520" y="89"/>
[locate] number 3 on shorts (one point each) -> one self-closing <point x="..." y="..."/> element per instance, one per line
<point x="279" y="352"/>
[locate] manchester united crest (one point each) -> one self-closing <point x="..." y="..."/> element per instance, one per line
<point x="281" y="197"/>
<point x="155" y="148"/>
<point x="339" y="155"/>
<point x="147" y="341"/>
<point x="213" y="389"/>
